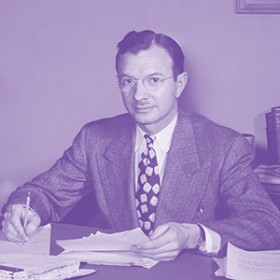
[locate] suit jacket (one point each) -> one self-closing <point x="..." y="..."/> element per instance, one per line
<point x="208" y="179"/>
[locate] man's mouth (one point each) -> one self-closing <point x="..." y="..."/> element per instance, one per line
<point x="142" y="108"/>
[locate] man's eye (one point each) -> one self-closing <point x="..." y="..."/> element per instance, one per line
<point x="127" y="81"/>
<point x="154" y="80"/>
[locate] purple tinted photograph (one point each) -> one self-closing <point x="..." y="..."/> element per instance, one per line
<point x="140" y="139"/>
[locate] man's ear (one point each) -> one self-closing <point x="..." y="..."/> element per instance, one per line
<point x="182" y="80"/>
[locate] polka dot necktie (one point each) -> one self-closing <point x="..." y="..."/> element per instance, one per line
<point x="148" y="187"/>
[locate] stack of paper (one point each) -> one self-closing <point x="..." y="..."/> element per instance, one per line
<point x="31" y="260"/>
<point x="39" y="243"/>
<point x="269" y="174"/>
<point x="40" y="267"/>
<point x="243" y="265"/>
<point x="108" y="249"/>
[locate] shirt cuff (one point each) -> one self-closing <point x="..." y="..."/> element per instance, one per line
<point x="212" y="243"/>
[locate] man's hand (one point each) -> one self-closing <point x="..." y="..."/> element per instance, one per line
<point x="168" y="240"/>
<point x="12" y="225"/>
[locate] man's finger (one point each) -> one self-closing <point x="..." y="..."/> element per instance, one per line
<point x="15" y="221"/>
<point x="11" y="232"/>
<point x="152" y="244"/>
<point x="32" y="224"/>
<point x="164" y="237"/>
<point x="160" y="230"/>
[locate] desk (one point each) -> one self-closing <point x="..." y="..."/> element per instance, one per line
<point x="188" y="266"/>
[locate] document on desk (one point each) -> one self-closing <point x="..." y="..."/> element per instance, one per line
<point x="34" y="266"/>
<point x="108" y="249"/>
<point x="269" y="174"/>
<point x="243" y="265"/>
<point x="39" y="243"/>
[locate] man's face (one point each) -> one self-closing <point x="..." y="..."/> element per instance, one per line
<point x="152" y="102"/>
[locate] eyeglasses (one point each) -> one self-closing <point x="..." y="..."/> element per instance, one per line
<point x="151" y="83"/>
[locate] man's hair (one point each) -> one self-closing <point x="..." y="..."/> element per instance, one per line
<point x="137" y="41"/>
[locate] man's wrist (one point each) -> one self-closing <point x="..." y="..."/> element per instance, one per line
<point x="195" y="236"/>
<point x="201" y="239"/>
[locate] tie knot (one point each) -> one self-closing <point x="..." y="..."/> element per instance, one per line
<point x="149" y="139"/>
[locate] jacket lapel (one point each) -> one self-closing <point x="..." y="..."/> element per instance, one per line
<point x="116" y="164"/>
<point x="185" y="178"/>
<point x="183" y="185"/>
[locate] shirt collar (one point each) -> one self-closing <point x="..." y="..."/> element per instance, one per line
<point x="163" y="137"/>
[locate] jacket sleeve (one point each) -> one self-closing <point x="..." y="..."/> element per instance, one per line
<point x="253" y="221"/>
<point x="55" y="192"/>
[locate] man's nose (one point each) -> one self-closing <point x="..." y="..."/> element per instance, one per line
<point x="140" y="91"/>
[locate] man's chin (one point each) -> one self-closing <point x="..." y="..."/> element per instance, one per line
<point x="144" y="119"/>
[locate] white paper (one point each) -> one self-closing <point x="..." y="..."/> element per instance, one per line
<point x="120" y="241"/>
<point x="268" y="173"/>
<point x="39" y="243"/>
<point x="221" y="262"/>
<point x="108" y="249"/>
<point x="111" y="258"/>
<point x="243" y="265"/>
<point x="32" y="262"/>
<point x="35" y="264"/>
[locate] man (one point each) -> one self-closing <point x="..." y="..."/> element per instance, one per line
<point x="156" y="167"/>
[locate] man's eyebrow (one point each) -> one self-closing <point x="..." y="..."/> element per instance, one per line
<point x="150" y="75"/>
<point x="155" y="74"/>
<point x="125" y="75"/>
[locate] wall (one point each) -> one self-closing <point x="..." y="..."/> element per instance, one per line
<point x="57" y="69"/>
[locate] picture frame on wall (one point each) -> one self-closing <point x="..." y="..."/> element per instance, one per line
<point x="258" y="6"/>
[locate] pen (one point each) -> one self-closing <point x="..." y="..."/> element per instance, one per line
<point x="27" y="205"/>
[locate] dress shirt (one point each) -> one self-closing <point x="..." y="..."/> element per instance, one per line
<point x="161" y="146"/>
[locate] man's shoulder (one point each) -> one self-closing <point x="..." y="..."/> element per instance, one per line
<point x="213" y="140"/>
<point x="204" y="126"/>
<point x="202" y="122"/>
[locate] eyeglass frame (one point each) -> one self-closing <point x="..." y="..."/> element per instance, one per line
<point x="134" y="81"/>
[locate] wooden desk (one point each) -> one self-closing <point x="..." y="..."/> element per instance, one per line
<point x="188" y="266"/>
